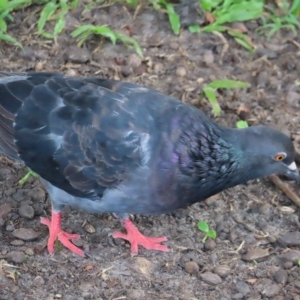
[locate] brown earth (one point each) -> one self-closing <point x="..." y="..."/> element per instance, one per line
<point x="255" y="255"/>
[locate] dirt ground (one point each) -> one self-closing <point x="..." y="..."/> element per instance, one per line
<point x="255" y="255"/>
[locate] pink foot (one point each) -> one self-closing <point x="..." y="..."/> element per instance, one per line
<point x="135" y="238"/>
<point x="56" y="233"/>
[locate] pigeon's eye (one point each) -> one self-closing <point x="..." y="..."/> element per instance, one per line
<point x="280" y="156"/>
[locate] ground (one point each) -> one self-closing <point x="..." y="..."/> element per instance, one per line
<point x="255" y="253"/>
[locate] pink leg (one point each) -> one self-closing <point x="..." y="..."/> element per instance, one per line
<point x="57" y="233"/>
<point x="135" y="238"/>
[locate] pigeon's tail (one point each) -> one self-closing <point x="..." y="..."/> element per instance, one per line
<point x="13" y="91"/>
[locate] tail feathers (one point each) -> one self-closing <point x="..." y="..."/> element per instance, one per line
<point x="11" y="90"/>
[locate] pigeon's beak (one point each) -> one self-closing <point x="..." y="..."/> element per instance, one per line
<point x="293" y="173"/>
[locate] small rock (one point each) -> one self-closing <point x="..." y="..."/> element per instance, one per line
<point x="265" y="209"/>
<point x="210" y="278"/>
<point x="16" y="257"/>
<point x="17" y="243"/>
<point x="271" y="290"/>
<point x="89" y="228"/>
<point x="139" y="70"/>
<point x="180" y="72"/>
<point x="38" y="281"/>
<point x="232" y="236"/>
<point x="27" y="53"/>
<point x="288" y="265"/>
<point x="262" y="79"/>
<point x="272" y="239"/>
<point x="211" y="200"/>
<point x="9" y="227"/>
<point x="210" y="244"/>
<point x="291" y="256"/>
<point x="38" y="66"/>
<point x="222" y="270"/>
<point x="191" y="267"/>
<point x="134" y="60"/>
<point x="238" y="296"/>
<point x="256" y="254"/>
<point x="29" y="251"/>
<point x="208" y="57"/>
<point x="243" y="288"/>
<point x="286" y="210"/>
<point x="142" y="266"/>
<point x="26" y="211"/>
<point x="297" y="283"/>
<point x="2" y="222"/>
<point x="281" y="276"/>
<point x="290" y="239"/>
<point x="158" y="68"/>
<point x="5" y="209"/>
<point x="37" y="194"/>
<point x="25" y="234"/>
<point x="293" y="99"/>
<point x="85" y="286"/>
<point x="78" y="55"/>
<point x="71" y="72"/>
<point x="243" y="112"/>
<point x="40" y="54"/>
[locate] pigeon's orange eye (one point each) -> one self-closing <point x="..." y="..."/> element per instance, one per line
<point x="280" y="156"/>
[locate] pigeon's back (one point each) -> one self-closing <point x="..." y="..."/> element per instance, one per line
<point x="83" y="135"/>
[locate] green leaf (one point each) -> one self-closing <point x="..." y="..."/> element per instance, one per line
<point x="3" y="25"/>
<point x="212" y="234"/>
<point x="173" y="18"/>
<point x="8" y="38"/>
<point x="211" y="96"/>
<point x="244" y="44"/>
<point x="242" y="124"/>
<point x="59" y="26"/>
<point x="3" y="3"/>
<point x="81" y="30"/>
<point x="203" y="226"/>
<point x="46" y="13"/>
<point x="194" y="28"/>
<point x="105" y="31"/>
<point x="228" y="84"/>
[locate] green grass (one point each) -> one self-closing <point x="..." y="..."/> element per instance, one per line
<point x="210" y="89"/>
<point x="209" y="233"/>
<point x="219" y="14"/>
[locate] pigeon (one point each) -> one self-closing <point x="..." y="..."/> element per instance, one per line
<point x="107" y="146"/>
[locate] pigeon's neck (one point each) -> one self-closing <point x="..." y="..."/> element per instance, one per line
<point x="224" y="164"/>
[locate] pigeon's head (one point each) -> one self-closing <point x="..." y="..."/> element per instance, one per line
<point x="268" y="151"/>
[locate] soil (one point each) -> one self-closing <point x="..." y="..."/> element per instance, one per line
<point x="255" y="255"/>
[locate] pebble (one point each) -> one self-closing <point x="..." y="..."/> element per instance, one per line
<point x="38" y="281"/>
<point x="134" y="60"/>
<point x="288" y="265"/>
<point x="255" y="254"/>
<point x="37" y="193"/>
<point x="27" y="53"/>
<point x="9" y="227"/>
<point x="290" y="239"/>
<point x="25" y="234"/>
<point x="210" y="278"/>
<point x="181" y="72"/>
<point x="210" y="244"/>
<point x="26" y="211"/>
<point x="271" y="290"/>
<point x="208" y="57"/>
<point x="262" y="79"/>
<point x="281" y="276"/>
<point x="243" y="288"/>
<point x="212" y="200"/>
<point x="292" y="256"/>
<point x="16" y="257"/>
<point x="191" y="267"/>
<point x="85" y="286"/>
<point x="222" y="270"/>
<point x="17" y="243"/>
<point x="5" y="209"/>
<point x="78" y="55"/>
<point x="89" y="228"/>
<point x="293" y="99"/>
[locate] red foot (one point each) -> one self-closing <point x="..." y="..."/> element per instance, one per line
<point x="62" y="236"/>
<point x="135" y="238"/>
